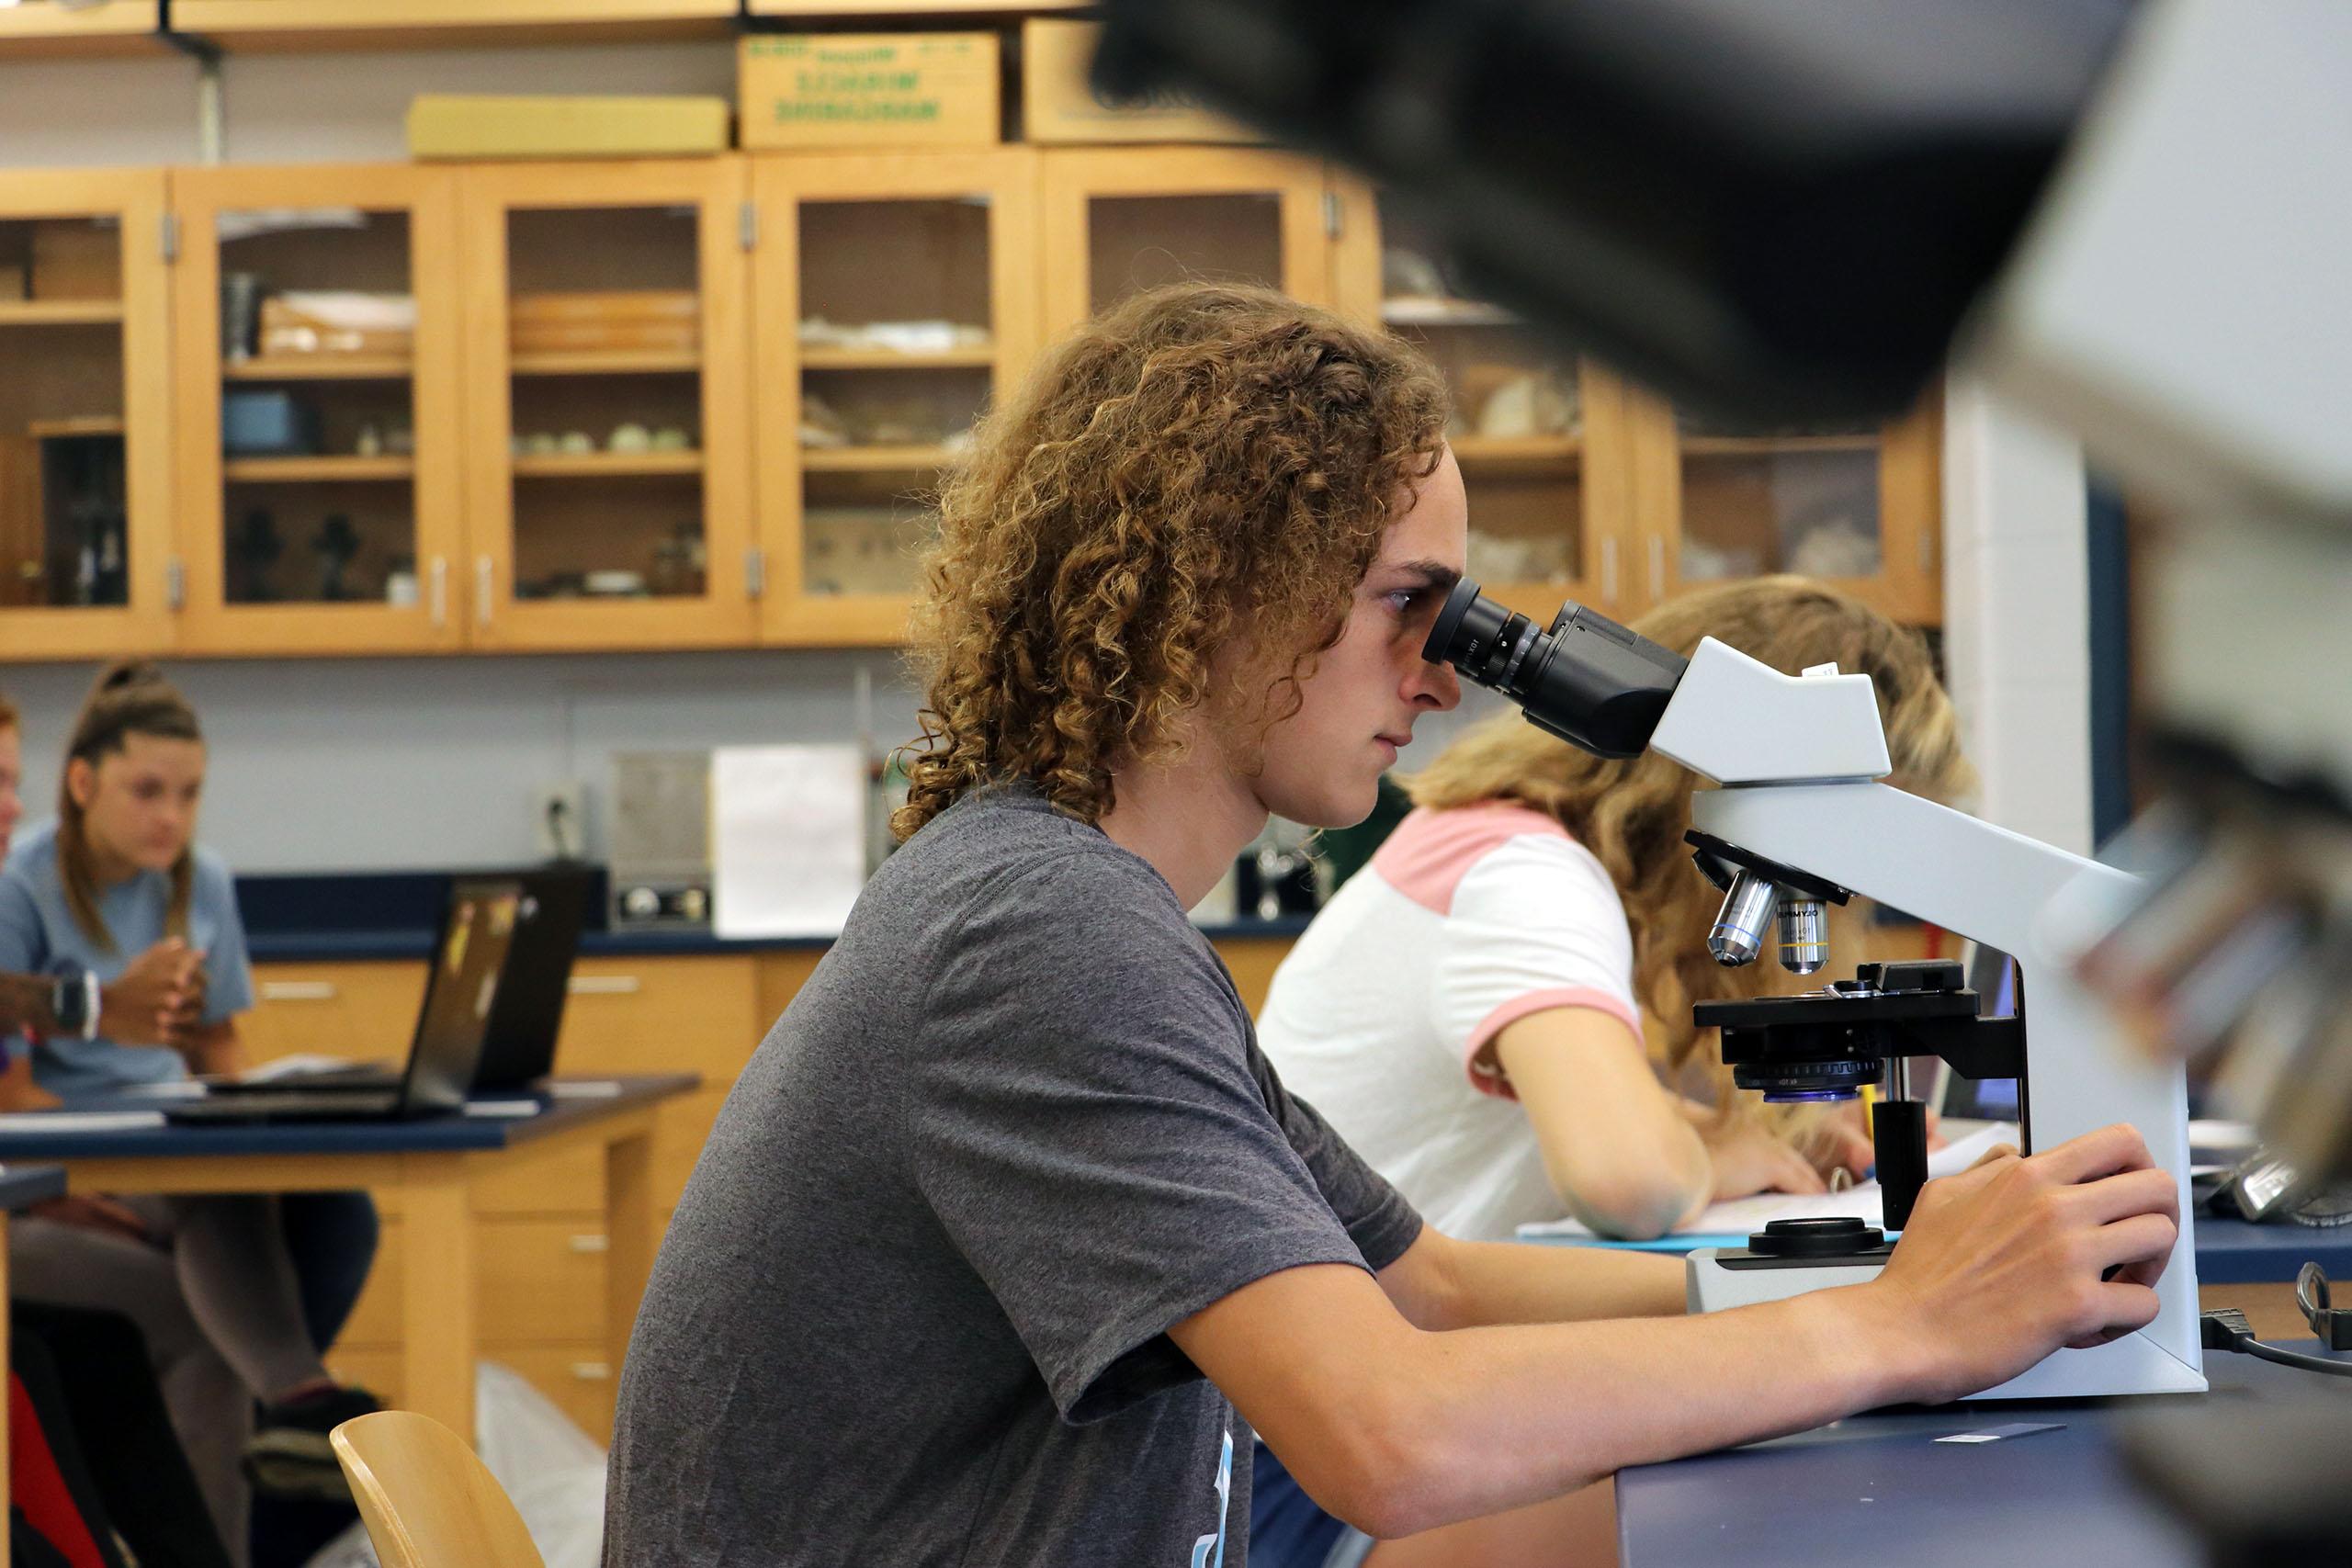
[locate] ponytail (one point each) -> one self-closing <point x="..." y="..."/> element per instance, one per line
<point x="131" y="698"/>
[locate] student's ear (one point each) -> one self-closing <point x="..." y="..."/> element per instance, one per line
<point x="81" y="782"/>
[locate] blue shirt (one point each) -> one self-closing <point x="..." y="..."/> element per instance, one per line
<point x="38" y="936"/>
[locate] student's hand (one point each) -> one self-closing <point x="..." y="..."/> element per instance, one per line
<point x="2012" y="1260"/>
<point x="1842" y="1142"/>
<point x="1750" y="1159"/>
<point x="157" y="999"/>
<point x="92" y="1211"/>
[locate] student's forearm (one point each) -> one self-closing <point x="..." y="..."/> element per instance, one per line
<point x="26" y="1002"/>
<point x="1510" y="1416"/>
<point x="1490" y="1283"/>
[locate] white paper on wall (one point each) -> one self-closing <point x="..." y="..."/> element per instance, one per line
<point x="787" y="838"/>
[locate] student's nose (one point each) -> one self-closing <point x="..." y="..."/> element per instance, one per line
<point x="1434" y="686"/>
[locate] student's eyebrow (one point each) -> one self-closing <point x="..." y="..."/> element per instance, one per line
<point x="1433" y="576"/>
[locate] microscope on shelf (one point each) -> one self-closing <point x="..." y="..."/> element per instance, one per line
<point x="1801" y="821"/>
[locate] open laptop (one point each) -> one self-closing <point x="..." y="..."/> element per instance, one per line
<point x="472" y="955"/>
<point x="1993" y="975"/>
<point x="518" y="1046"/>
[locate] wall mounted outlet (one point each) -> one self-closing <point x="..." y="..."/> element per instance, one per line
<point x="559" y="823"/>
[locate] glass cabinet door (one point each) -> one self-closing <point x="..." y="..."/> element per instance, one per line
<point x="1540" y="434"/>
<point x="1121" y="220"/>
<point x="84" y="424"/>
<point x="1854" y="506"/>
<point x="318" y="372"/>
<point x="607" y="393"/>
<point x="895" y="298"/>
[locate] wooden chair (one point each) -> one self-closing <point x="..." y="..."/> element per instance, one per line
<point x="427" y="1501"/>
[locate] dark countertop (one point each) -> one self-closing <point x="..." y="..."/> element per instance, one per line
<point x="433" y="1134"/>
<point x="1877" y="1488"/>
<point x="348" y="917"/>
<point x="22" y="1186"/>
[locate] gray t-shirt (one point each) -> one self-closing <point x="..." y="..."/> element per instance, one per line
<point x="913" y="1308"/>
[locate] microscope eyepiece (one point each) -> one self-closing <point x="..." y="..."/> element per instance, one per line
<point x="1585" y="678"/>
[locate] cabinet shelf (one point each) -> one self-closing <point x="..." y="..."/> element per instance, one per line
<point x="608" y="362"/>
<point x="1517" y="451"/>
<point x="302" y="470"/>
<point x="1773" y="446"/>
<point x="58" y="313"/>
<point x="588" y="465"/>
<point x="320" y="367"/>
<point x="125" y="26"/>
<point x="874" y="459"/>
<point x="286" y="25"/>
<point x="980" y="357"/>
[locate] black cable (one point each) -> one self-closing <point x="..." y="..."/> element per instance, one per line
<point x="2226" y="1328"/>
<point x="2296" y="1359"/>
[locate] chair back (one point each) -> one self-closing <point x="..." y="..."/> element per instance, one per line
<point x="427" y="1501"/>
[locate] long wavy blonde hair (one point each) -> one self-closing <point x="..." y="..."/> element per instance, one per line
<point x="1631" y="815"/>
<point x="1203" y="464"/>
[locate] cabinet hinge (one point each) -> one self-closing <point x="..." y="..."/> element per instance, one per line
<point x="168" y="238"/>
<point x="747" y="225"/>
<point x="176" y="584"/>
<point x="1332" y="214"/>
<point x="755" y="573"/>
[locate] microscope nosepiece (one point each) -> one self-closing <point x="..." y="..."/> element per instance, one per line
<point x="1747" y="916"/>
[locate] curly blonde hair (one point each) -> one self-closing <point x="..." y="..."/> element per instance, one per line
<point x="1201" y="464"/>
<point x="1631" y="815"/>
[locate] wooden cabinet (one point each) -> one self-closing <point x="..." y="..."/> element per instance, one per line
<point x="315" y="315"/>
<point x="607" y="397"/>
<point x="363" y="1012"/>
<point x="1118" y="220"/>
<point x="85" y="466"/>
<point x="1856" y="508"/>
<point x="1543" y="438"/>
<point x="525" y="414"/>
<point x="895" y="296"/>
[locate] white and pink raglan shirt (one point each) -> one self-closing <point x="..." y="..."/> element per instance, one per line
<point x="1466" y="920"/>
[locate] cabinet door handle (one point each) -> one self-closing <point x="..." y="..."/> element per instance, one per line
<point x="590" y="1244"/>
<point x="439" y="590"/>
<point x="298" y="991"/>
<point x="1657" y="566"/>
<point x="604" y="985"/>
<point x="1609" y="569"/>
<point x="482" y="590"/>
<point x="593" y="1371"/>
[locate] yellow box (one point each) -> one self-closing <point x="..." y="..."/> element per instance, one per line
<point x="1058" y="103"/>
<point x="870" y="90"/>
<point x="466" y="126"/>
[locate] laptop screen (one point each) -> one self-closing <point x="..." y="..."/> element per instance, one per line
<point x="1993" y="974"/>
<point x="477" y="932"/>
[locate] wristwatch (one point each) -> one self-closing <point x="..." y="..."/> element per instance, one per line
<point x="74" y="999"/>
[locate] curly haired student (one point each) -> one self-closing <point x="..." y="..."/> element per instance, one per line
<point x="1007" y="1240"/>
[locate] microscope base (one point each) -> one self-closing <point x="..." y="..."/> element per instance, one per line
<point x="1721" y="1278"/>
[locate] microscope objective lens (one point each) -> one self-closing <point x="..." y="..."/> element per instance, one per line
<point x="1746" y="915"/>
<point x="1805" y="935"/>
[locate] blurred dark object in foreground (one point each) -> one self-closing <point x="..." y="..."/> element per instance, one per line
<point x="1773" y="212"/>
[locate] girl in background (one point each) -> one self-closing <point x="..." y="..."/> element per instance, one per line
<point x="209" y="1281"/>
<point x="1470" y="1012"/>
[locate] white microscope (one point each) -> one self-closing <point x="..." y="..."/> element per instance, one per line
<point x="1800" y="820"/>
